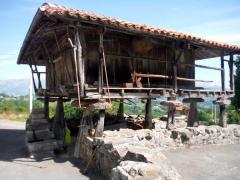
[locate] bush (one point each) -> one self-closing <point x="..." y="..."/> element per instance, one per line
<point x="37" y="104"/>
<point x="233" y="115"/>
<point x="206" y="116"/>
<point x="71" y="111"/>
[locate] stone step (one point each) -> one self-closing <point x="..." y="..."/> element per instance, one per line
<point x="42" y="146"/>
<point x="39" y="126"/>
<point x="37" y="111"/>
<point x="38" y="121"/>
<point x="37" y="135"/>
<point x="37" y="116"/>
<point x="43" y="155"/>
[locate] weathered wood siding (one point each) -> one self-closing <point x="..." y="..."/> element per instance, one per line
<point x="61" y="74"/>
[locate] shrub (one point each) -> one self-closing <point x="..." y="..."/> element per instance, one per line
<point x="206" y="115"/>
<point x="233" y="115"/>
<point x="71" y="111"/>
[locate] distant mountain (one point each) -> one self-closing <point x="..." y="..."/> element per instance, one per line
<point x="16" y="87"/>
<point x="213" y="87"/>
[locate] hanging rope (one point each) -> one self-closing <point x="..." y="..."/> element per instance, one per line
<point x="105" y="68"/>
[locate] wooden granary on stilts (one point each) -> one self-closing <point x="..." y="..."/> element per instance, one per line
<point x="95" y="59"/>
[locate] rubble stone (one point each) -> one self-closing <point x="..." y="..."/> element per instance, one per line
<point x="136" y="154"/>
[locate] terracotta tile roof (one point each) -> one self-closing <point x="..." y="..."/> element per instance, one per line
<point x="56" y="10"/>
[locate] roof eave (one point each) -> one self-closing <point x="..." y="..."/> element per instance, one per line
<point x="35" y="20"/>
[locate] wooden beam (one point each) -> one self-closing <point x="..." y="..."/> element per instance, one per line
<point x="150" y="75"/>
<point x="100" y="66"/>
<point x="174" y="68"/>
<point x="33" y="79"/>
<point x="46" y="107"/>
<point x="134" y="57"/>
<point x="193" y="80"/>
<point x="81" y="48"/>
<point x="204" y="67"/>
<point x="222" y="72"/>
<point x="231" y="78"/>
<point x="167" y="77"/>
<point x="228" y="60"/>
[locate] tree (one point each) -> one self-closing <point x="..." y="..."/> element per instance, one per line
<point x="236" y="99"/>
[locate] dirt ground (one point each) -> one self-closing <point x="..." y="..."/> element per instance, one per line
<point x="16" y="165"/>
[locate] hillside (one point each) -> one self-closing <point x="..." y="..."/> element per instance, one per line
<point x="16" y="87"/>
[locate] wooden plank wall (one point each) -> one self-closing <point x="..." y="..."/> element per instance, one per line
<point x="120" y="69"/>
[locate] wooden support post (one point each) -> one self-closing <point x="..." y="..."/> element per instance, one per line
<point x="148" y="115"/>
<point x="46" y="107"/>
<point x="174" y="75"/>
<point x="171" y="116"/>
<point x="222" y="71"/>
<point x="81" y="55"/>
<point x="193" y="113"/>
<point x="59" y="123"/>
<point x="100" y="124"/>
<point x="231" y="77"/>
<point x="222" y="118"/>
<point x="33" y="79"/>
<point x="100" y="66"/>
<point x="120" y="113"/>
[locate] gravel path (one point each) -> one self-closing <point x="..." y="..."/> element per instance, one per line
<point x="15" y="164"/>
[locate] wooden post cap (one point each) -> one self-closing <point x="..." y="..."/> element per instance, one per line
<point x="193" y="99"/>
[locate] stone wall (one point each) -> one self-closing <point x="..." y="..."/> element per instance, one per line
<point x="136" y="154"/>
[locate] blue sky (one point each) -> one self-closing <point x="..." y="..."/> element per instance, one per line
<point x="216" y="19"/>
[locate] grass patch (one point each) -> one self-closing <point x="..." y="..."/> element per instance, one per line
<point x="16" y="116"/>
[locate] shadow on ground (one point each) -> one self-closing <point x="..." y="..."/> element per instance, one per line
<point x="13" y="150"/>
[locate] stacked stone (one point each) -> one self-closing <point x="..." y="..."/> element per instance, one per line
<point x="136" y="154"/>
<point x="39" y="139"/>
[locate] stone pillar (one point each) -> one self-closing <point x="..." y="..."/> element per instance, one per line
<point x="222" y="102"/>
<point x="101" y="105"/>
<point x="171" y="103"/>
<point x="120" y="113"/>
<point x="100" y="124"/>
<point x="222" y="118"/>
<point x="193" y="113"/>
<point x="148" y="115"/>
<point x="59" y="122"/>
<point x="171" y="116"/>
